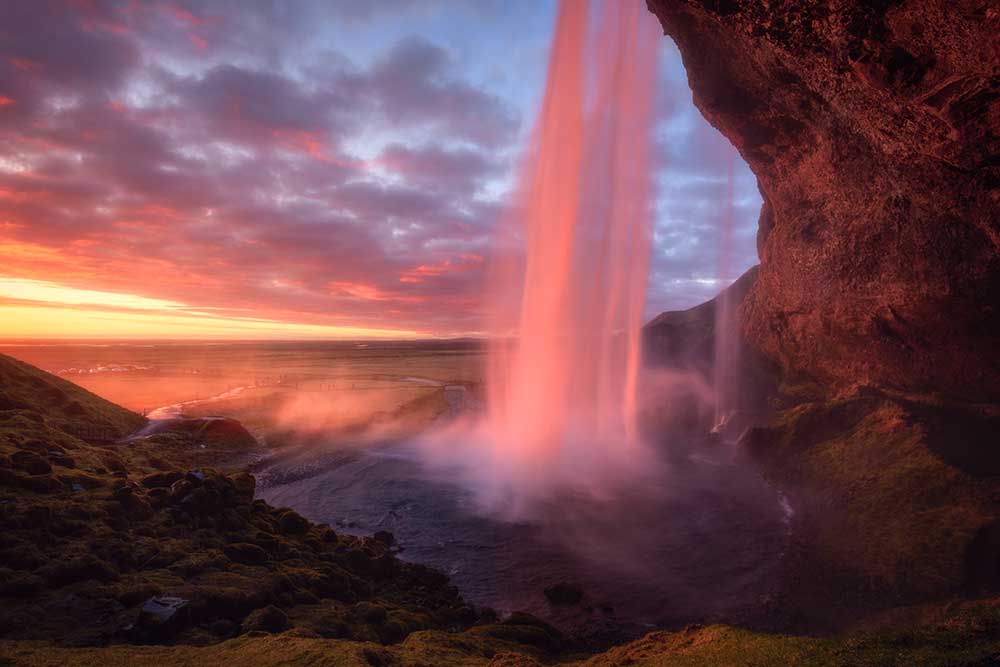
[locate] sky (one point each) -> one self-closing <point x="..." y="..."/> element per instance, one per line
<point x="295" y="169"/>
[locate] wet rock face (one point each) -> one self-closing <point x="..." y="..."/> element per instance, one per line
<point x="874" y="131"/>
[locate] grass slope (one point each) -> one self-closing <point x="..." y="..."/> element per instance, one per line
<point x="63" y="404"/>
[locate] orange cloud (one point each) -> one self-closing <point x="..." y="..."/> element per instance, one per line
<point x="359" y="291"/>
<point x="464" y="262"/>
<point x="24" y="64"/>
<point x="187" y="16"/>
<point x="368" y="292"/>
<point x="302" y="141"/>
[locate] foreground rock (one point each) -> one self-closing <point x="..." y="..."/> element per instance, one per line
<point x="874" y="130"/>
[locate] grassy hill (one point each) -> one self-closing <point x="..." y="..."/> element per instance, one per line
<point x="62" y="404"/>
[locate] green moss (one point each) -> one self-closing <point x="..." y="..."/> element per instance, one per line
<point x="878" y="503"/>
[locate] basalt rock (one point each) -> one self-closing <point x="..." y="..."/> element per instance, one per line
<point x="874" y="132"/>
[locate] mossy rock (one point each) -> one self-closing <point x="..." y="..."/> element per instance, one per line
<point x="270" y="619"/>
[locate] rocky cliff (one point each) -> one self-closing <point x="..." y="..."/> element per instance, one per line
<point x="874" y="131"/>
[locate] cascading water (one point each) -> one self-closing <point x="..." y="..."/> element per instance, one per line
<point x="570" y="293"/>
<point x="554" y="483"/>
<point x="725" y="380"/>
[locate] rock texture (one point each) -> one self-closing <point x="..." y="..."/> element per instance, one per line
<point x="874" y="131"/>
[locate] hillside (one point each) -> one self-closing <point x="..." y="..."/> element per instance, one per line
<point x="63" y="404"/>
<point x="135" y="551"/>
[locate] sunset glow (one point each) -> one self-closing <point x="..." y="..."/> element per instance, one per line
<point x="330" y="171"/>
<point x="36" y="309"/>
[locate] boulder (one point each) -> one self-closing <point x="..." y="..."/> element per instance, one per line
<point x="291" y="522"/>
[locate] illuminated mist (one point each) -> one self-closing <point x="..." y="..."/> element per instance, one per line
<point x="569" y="280"/>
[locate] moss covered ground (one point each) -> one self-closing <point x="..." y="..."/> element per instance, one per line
<point x="93" y="525"/>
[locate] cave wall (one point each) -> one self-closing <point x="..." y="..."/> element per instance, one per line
<point x="874" y="131"/>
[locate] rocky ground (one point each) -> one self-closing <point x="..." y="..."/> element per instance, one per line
<point x="152" y="550"/>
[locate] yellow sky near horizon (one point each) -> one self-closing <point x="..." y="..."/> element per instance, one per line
<point x="40" y="309"/>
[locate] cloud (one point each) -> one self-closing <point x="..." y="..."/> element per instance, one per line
<point x="463" y="170"/>
<point x="246" y="159"/>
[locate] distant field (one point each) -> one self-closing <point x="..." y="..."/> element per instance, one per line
<point x="312" y="385"/>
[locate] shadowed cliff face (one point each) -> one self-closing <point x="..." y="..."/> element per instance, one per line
<point x="874" y="131"/>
